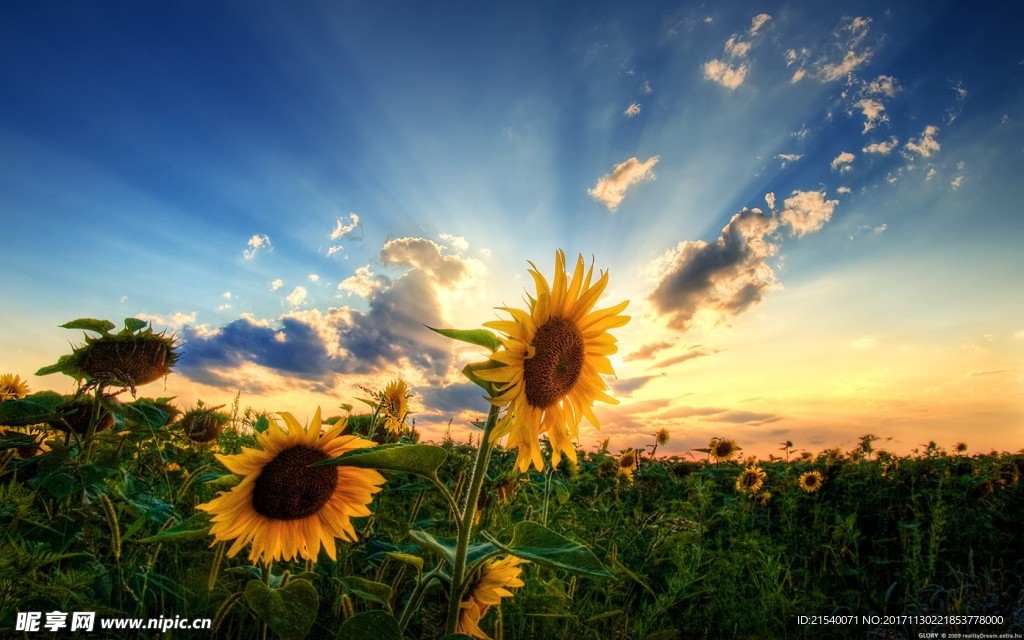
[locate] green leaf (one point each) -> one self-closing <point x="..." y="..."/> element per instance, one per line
<point x="479" y="337"/>
<point x="195" y="528"/>
<point x="470" y="372"/>
<point x="368" y="590"/>
<point x="67" y="364"/>
<point x="101" y="327"/>
<point x="131" y="325"/>
<point x="445" y="547"/>
<point x="289" y="611"/>
<point x="421" y="459"/>
<point x="406" y="558"/>
<point x="543" y="546"/>
<point x="379" y="625"/>
<point x="142" y="412"/>
<point x="32" y="409"/>
<point x="262" y="424"/>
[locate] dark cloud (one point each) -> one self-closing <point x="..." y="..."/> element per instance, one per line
<point x="453" y="399"/>
<point x="648" y="350"/>
<point x="694" y="352"/>
<point x="745" y="417"/>
<point x="626" y="387"/>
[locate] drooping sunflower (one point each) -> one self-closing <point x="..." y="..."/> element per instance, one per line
<point x="811" y="481"/>
<point x="723" y="449"/>
<point x="497" y="578"/>
<point x="12" y="387"/>
<point x="751" y="480"/>
<point x="553" y="355"/>
<point x="394" y="405"/>
<point x="283" y="506"/>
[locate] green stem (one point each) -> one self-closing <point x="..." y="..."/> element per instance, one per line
<point x="468" y="512"/>
<point x="416" y="597"/>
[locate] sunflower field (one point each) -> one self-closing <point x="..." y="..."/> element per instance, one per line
<point x="123" y="515"/>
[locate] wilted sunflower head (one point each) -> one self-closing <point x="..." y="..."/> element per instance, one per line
<point x="551" y="361"/>
<point x="723" y="449"/>
<point x="751" y="480"/>
<point x="662" y="437"/>
<point x="203" y="424"/>
<point x="394" y="404"/>
<point x="23" y="441"/>
<point x="285" y="505"/>
<point x="811" y="481"/>
<point x="12" y="387"/>
<point x="497" y="577"/>
<point x="127" y="361"/>
<point x="76" y="413"/>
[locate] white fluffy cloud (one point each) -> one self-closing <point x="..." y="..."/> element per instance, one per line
<point x="882" y="148"/>
<point x="256" y="242"/>
<point x="611" y="188"/>
<point x="874" y="113"/>
<point x="725" y="74"/>
<point x="363" y="283"/>
<point x="343" y="227"/>
<point x="807" y="211"/>
<point x="276" y="284"/>
<point x="843" y="162"/>
<point x="297" y="296"/>
<point x="633" y="110"/>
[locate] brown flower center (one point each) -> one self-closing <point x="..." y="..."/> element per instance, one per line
<point x="289" y="489"/>
<point x="556" y="364"/>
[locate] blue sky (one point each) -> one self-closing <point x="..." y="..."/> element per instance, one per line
<point x="190" y="163"/>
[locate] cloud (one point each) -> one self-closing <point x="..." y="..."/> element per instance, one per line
<point x="844" y="190"/>
<point x="758" y="22"/>
<point x="956" y="182"/>
<point x="425" y="255"/>
<point x="633" y="110"/>
<point x="256" y="242"/>
<point x="297" y="296"/>
<point x="769" y="199"/>
<point x="787" y="158"/>
<point x="694" y="352"/>
<point x="874" y="113"/>
<point x="716" y="280"/>
<point x="843" y="162"/>
<point x="737" y="48"/>
<point x="881" y="86"/>
<point x="882" y="148"/>
<point x="926" y="145"/>
<point x="344" y="228"/>
<point x="645" y="352"/>
<point x="849" y="37"/>
<point x="627" y="386"/>
<point x="363" y="283"/>
<point x="455" y="242"/>
<point x="611" y="188"/>
<point x="807" y="211"/>
<point x="175" y="320"/>
<point x="646" y="88"/>
<point x="313" y="277"/>
<point x="276" y="284"/>
<point x="725" y="74"/>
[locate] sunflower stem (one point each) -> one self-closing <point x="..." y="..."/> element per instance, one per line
<point x="467" y="516"/>
<point x="416" y="597"/>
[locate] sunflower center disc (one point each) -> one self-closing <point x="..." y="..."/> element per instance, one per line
<point x="556" y="364"/>
<point x="288" y="488"/>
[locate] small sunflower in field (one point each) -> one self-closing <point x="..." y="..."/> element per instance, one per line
<point x="394" y="405"/>
<point x="12" y="387"/>
<point x="285" y="507"/>
<point x="662" y="437"/>
<point x="629" y="462"/>
<point x="552" y="358"/>
<point x="811" y="481"/>
<point x="764" y="498"/>
<point x="751" y="480"/>
<point x="203" y="424"/>
<point x="723" y="449"/>
<point x="960" y="448"/>
<point x="493" y="584"/>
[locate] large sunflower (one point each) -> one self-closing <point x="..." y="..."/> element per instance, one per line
<point x="494" y="583"/>
<point x="553" y="355"/>
<point x="285" y="507"/>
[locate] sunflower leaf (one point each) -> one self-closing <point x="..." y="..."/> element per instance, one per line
<point x="32" y="409"/>
<point x="131" y="325"/>
<point x="539" y="544"/>
<point x="420" y="459"/>
<point x="370" y="624"/>
<point x="195" y="528"/>
<point x="368" y="590"/>
<point x="470" y="372"/>
<point x="479" y="337"/>
<point x="289" y="611"/>
<point x="101" y="327"/>
<point x="445" y="547"/>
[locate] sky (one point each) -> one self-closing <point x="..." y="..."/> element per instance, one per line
<point x="813" y="208"/>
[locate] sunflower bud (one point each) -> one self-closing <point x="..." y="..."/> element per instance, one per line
<point x="203" y="424"/>
<point x="75" y="415"/>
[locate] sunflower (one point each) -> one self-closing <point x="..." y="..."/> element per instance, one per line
<point x="751" y="480"/>
<point x="662" y="437"/>
<point x="203" y="424"/>
<point x="553" y="356"/>
<point x="628" y="464"/>
<point x="764" y="497"/>
<point x="723" y="449"/>
<point x="285" y="507"/>
<point x="394" y="405"/>
<point x="12" y="387"/>
<point x="811" y="481"/>
<point x="494" y="583"/>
